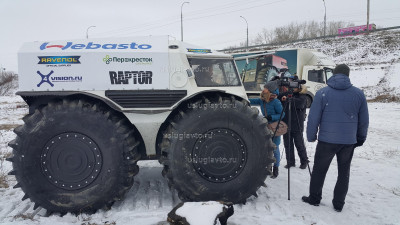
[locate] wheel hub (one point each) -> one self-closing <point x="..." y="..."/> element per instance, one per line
<point x="219" y="155"/>
<point x="71" y="161"/>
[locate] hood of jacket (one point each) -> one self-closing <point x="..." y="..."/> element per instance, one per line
<point x="339" y="82"/>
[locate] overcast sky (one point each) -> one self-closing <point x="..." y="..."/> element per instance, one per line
<point x="209" y="23"/>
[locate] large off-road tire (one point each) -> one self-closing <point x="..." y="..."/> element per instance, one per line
<point x="217" y="149"/>
<point x="74" y="156"/>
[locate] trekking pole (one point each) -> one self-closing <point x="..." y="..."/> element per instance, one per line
<point x="288" y="102"/>
<point x="289" y="131"/>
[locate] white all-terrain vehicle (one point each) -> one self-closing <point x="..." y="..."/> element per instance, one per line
<point x="98" y="106"/>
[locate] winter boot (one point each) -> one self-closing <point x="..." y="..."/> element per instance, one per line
<point x="304" y="164"/>
<point x="290" y="165"/>
<point x="275" y="172"/>
<point x="308" y="200"/>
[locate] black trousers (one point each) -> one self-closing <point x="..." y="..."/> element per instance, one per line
<point x="323" y="158"/>
<point x="297" y="138"/>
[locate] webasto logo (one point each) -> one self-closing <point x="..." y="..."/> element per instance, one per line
<point x="92" y="45"/>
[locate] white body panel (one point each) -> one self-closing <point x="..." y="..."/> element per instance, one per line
<point x="91" y="66"/>
<point x="82" y="65"/>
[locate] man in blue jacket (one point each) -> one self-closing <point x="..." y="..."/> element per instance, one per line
<point x="340" y="113"/>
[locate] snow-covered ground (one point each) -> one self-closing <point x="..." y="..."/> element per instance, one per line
<point x="374" y="193"/>
<point x="373" y="198"/>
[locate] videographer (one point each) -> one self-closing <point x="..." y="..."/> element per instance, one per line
<point x="271" y="108"/>
<point x="291" y="87"/>
<point x="298" y="114"/>
<point x="298" y="106"/>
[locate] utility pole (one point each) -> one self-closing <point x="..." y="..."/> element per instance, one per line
<point x="325" y="19"/>
<point x="247" y="31"/>
<point x="87" y="31"/>
<point x="367" y="16"/>
<point x="182" y="20"/>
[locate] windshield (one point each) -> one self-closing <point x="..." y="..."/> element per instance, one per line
<point x="316" y="76"/>
<point x="329" y="73"/>
<point x="214" y="72"/>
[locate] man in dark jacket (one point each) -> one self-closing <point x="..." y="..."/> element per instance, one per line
<point x="340" y="113"/>
<point x="298" y="109"/>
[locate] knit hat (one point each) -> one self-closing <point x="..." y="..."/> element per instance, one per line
<point x="343" y="69"/>
<point x="271" y="86"/>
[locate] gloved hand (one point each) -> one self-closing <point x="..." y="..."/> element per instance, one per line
<point x="359" y="143"/>
<point x="269" y="117"/>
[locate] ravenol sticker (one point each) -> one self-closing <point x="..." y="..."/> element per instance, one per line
<point x="59" y="60"/>
<point x="197" y="50"/>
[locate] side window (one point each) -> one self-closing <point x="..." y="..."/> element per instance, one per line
<point x="316" y="76"/>
<point x="214" y="72"/>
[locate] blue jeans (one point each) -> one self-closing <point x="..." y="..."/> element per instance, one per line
<point x="277" y="154"/>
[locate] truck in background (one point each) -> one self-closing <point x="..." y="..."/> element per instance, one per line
<point x="308" y="64"/>
<point x="256" y="70"/>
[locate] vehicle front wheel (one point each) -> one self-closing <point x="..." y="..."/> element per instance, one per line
<point x="217" y="149"/>
<point x="74" y="156"/>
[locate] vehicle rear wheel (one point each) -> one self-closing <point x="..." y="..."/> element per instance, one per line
<point x="217" y="149"/>
<point x="74" y="156"/>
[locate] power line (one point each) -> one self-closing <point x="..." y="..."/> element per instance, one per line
<point x="193" y="18"/>
<point x="195" y="12"/>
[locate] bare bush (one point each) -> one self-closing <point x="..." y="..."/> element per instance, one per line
<point x="8" y="82"/>
<point x="264" y="37"/>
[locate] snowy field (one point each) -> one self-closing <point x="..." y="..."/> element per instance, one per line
<point x="373" y="198"/>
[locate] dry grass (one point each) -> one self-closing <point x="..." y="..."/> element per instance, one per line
<point x="3" y="174"/>
<point x="8" y="126"/>
<point x="27" y="216"/>
<point x="3" y="180"/>
<point x="385" y="98"/>
<point x="104" y="223"/>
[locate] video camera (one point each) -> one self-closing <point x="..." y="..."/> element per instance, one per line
<point x="287" y="80"/>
